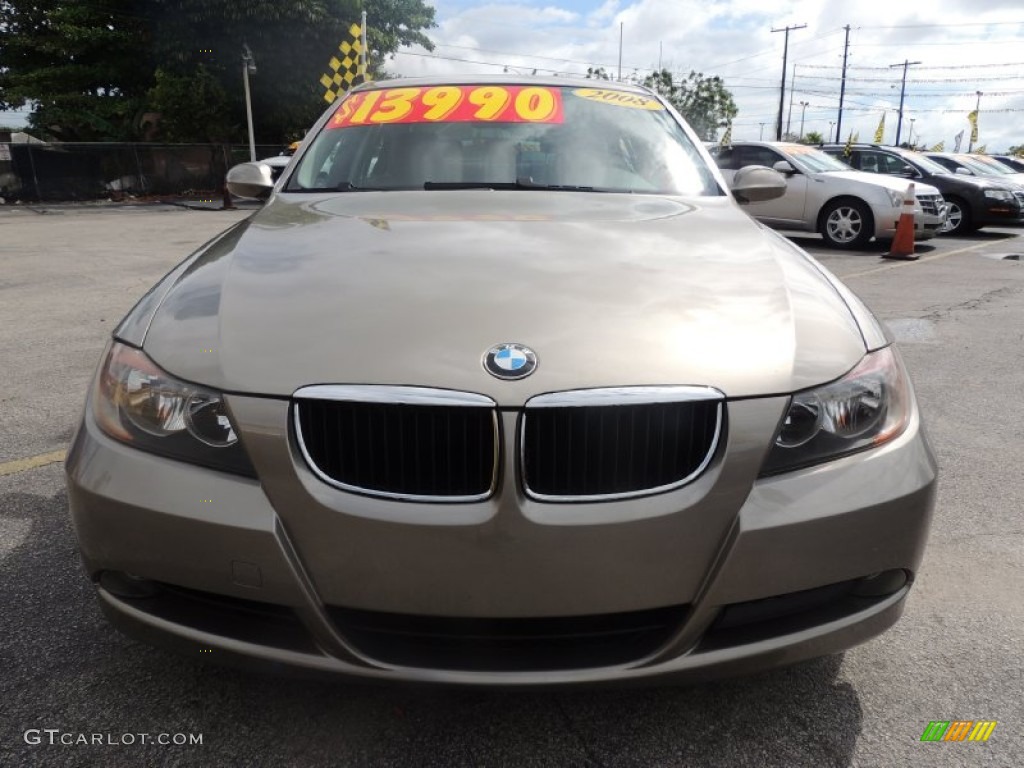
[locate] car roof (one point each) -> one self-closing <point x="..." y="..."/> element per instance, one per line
<point x="545" y="80"/>
<point x="783" y="145"/>
<point x="865" y="145"/>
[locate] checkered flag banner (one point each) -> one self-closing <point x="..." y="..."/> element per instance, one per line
<point x="727" y="136"/>
<point x="348" y="70"/>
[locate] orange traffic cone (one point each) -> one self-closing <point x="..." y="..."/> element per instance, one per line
<point x="903" y="244"/>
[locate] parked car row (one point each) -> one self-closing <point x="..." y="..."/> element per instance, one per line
<point x="973" y="197"/>
<point x="825" y="195"/>
<point x="850" y="194"/>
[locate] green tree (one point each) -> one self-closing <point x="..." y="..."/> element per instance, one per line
<point x="812" y="137"/>
<point x="90" y="67"/>
<point x="81" y="65"/>
<point x="1017" y="149"/>
<point x="705" y="102"/>
<point x="597" y="73"/>
<point x="191" y="107"/>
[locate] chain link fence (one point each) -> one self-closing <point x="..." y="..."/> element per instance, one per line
<point x="61" y="172"/>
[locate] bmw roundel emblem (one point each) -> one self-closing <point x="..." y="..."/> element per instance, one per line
<point x="510" y="361"/>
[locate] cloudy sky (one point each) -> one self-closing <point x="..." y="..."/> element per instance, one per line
<point x="962" y="47"/>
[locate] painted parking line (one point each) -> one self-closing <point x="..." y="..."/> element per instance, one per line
<point x="32" y="462"/>
<point x="898" y="265"/>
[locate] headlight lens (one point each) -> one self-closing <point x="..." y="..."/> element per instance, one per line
<point x="896" y="198"/>
<point x="999" y="194"/>
<point x="138" y="403"/>
<point x="869" y="406"/>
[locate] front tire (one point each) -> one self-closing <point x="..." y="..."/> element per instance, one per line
<point x="958" y="218"/>
<point x="846" y="224"/>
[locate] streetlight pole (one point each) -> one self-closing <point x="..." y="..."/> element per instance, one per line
<point x="831" y="124"/>
<point x="249" y="66"/>
<point x="903" y="89"/>
<point x="803" y="110"/>
<point x="910" y="140"/>
<point x="761" y="137"/>
<point x="977" y="109"/>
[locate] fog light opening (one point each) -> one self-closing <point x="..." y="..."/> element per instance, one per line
<point x="881" y="584"/>
<point x="128" y="585"/>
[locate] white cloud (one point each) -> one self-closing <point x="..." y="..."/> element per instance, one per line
<point x="733" y="38"/>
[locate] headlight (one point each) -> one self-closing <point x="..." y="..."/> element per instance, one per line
<point x="138" y="403"/>
<point x="999" y="194"/>
<point x="896" y="198"/>
<point x="869" y="406"/>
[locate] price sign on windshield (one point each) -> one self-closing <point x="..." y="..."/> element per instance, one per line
<point x="451" y="104"/>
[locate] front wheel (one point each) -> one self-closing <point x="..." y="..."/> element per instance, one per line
<point x="847" y="224"/>
<point x="958" y="217"/>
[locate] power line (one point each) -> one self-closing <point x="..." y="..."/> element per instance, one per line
<point x="922" y="26"/>
<point x="943" y="66"/>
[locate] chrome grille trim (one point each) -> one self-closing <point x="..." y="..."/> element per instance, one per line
<point x="930" y="203"/>
<point x="621" y="396"/>
<point x="393" y="395"/>
<point x="397" y="395"/>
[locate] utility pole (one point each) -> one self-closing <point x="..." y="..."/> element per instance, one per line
<point x="977" y="110"/>
<point x="903" y="89"/>
<point x="803" y="109"/>
<point x="782" y="86"/>
<point x="842" y="85"/>
<point x="789" y="112"/>
<point x="620" y="53"/>
<point x="249" y="67"/>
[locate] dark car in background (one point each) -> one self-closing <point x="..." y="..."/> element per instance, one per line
<point x="977" y="165"/>
<point x="1015" y="164"/>
<point x="973" y="201"/>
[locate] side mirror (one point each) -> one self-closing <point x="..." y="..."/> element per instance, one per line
<point x="784" y="166"/>
<point x="251" y="180"/>
<point x="909" y="171"/>
<point x="963" y="171"/>
<point x="756" y="184"/>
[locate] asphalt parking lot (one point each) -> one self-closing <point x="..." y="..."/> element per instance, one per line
<point x="68" y="275"/>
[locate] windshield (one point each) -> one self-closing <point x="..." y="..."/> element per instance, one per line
<point x="978" y="166"/>
<point x="987" y="165"/>
<point x="926" y="163"/>
<point x="811" y="160"/>
<point x="503" y="137"/>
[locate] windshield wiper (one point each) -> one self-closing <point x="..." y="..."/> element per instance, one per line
<point x="344" y="186"/>
<point x="521" y="183"/>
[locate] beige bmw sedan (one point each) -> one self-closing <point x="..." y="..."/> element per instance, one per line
<point x="502" y="387"/>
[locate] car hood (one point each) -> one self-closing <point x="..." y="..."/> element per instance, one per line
<point x="413" y="288"/>
<point x="899" y="184"/>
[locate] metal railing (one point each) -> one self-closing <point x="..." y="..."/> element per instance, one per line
<point x="56" y="172"/>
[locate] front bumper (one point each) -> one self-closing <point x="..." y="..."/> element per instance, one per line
<point x="1000" y="214"/>
<point x="926" y="225"/>
<point x="225" y="579"/>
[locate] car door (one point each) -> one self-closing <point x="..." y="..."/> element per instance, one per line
<point x="785" y="211"/>
<point x="885" y="163"/>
